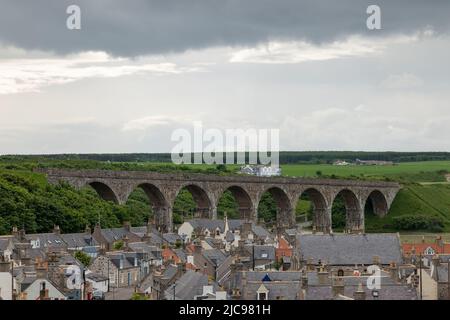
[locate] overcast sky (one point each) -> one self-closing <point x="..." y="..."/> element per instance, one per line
<point x="138" y="70"/>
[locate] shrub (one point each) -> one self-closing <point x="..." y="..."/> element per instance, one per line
<point x="418" y="222"/>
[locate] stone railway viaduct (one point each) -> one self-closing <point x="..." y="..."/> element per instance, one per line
<point x="207" y="189"/>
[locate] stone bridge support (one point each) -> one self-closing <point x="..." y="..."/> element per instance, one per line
<point x="162" y="190"/>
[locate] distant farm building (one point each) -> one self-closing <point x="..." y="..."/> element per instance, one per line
<point x="261" y="171"/>
<point x="341" y="163"/>
<point x="373" y="163"/>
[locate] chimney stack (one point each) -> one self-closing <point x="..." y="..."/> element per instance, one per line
<point x="439" y="241"/>
<point x="56" y="230"/>
<point x="322" y="275"/>
<point x="338" y="286"/>
<point x="376" y="260"/>
<point x="41" y="271"/>
<point x="304" y="279"/>
<point x="359" y="294"/>
<point x="127" y="226"/>
<point x="15" y="232"/>
<point x="5" y="266"/>
<point x="394" y="271"/>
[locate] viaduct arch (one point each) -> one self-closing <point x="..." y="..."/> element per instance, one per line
<point x="206" y="190"/>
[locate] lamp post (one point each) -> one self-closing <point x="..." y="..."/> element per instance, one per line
<point x="420" y="276"/>
<point x="174" y="286"/>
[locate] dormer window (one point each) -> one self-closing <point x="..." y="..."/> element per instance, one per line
<point x="262" y="296"/>
<point x="429" y="251"/>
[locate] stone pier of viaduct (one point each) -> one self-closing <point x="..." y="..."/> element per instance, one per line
<point x="206" y="189"/>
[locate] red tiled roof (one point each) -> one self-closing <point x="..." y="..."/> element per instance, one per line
<point x="420" y="248"/>
<point x="168" y="254"/>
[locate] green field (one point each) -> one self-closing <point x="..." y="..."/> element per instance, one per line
<point x="426" y="171"/>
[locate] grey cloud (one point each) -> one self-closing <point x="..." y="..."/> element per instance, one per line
<point x="131" y="28"/>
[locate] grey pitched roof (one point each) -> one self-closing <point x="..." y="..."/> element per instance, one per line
<point x="389" y="292"/>
<point x="36" y="253"/>
<point x="260" y="231"/>
<point x="350" y="249"/>
<point x="274" y="275"/>
<point x="229" y="237"/>
<point x="211" y="225"/>
<point x="115" y="234"/>
<point x="139" y="230"/>
<point x="216" y="256"/>
<point x="78" y="240"/>
<point x="97" y="277"/>
<point x="89" y="249"/>
<point x="152" y="251"/>
<point x="188" y="286"/>
<point x="385" y="279"/>
<point x="69" y="260"/>
<point x="282" y="284"/>
<point x="181" y="254"/>
<point x="442" y="273"/>
<point x="170" y="271"/>
<point x="291" y="232"/>
<point x="172" y="238"/>
<point x="210" y="241"/>
<point x="47" y="239"/>
<point x="277" y="290"/>
<point x="117" y="257"/>
<point x="262" y="252"/>
<point x="4" y="243"/>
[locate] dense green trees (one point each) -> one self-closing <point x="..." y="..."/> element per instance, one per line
<point x="83" y="258"/>
<point x="419" y="222"/>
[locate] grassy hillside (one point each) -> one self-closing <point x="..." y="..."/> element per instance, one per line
<point x="432" y="200"/>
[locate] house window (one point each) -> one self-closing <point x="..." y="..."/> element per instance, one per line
<point x="217" y="232"/>
<point x="340" y="273"/>
<point x="429" y="251"/>
<point x="262" y="296"/>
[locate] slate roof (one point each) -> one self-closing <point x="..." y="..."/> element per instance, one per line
<point x="97" y="277"/>
<point x="442" y="273"/>
<point x="386" y="280"/>
<point x="4" y="244"/>
<point x="211" y="225"/>
<point x="291" y="232"/>
<point x="260" y="232"/>
<point x="277" y="290"/>
<point x="152" y="251"/>
<point x="258" y="276"/>
<point x="262" y="252"/>
<point x="229" y="237"/>
<point x="172" y="238"/>
<point x="188" y="286"/>
<point x="216" y="256"/>
<point x="126" y="258"/>
<point x="350" y="249"/>
<point x="47" y="240"/>
<point x="390" y="292"/>
<point x="115" y="234"/>
<point x="170" y="271"/>
<point x="210" y="242"/>
<point x="139" y="231"/>
<point x="78" y="240"/>
<point x="181" y="254"/>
